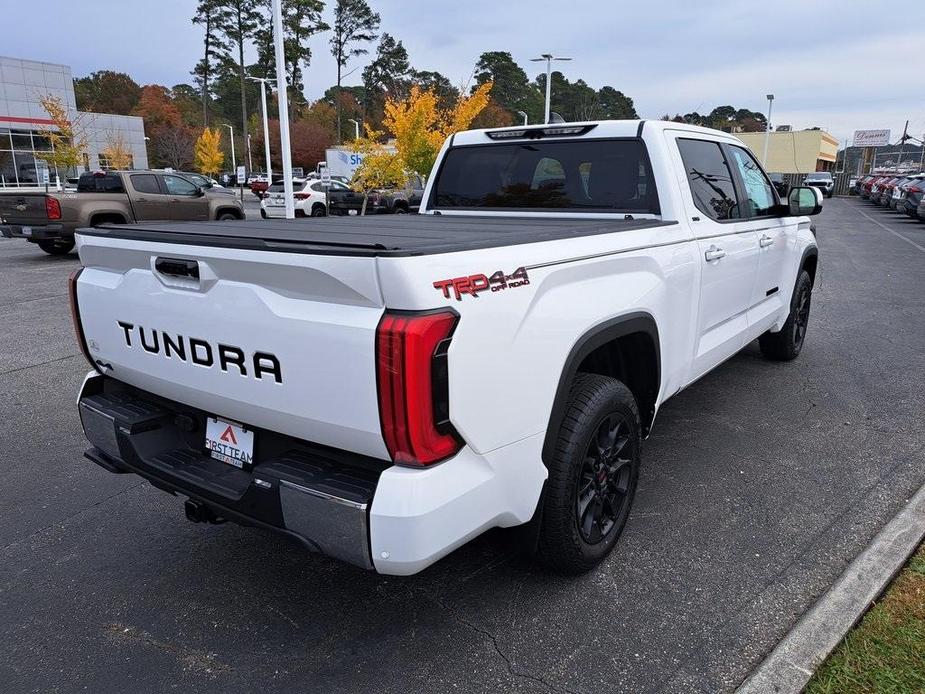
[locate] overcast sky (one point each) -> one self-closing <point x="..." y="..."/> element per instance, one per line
<point x="833" y="64"/>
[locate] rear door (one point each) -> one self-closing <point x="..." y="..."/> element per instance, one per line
<point x="728" y="250"/>
<point x="186" y="201"/>
<point x="149" y="202"/>
<point x="776" y="240"/>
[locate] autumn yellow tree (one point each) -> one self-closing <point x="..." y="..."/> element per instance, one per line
<point x="420" y="126"/>
<point x="380" y="168"/>
<point x="117" y="153"/>
<point x="67" y="137"/>
<point x="208" y="152"/>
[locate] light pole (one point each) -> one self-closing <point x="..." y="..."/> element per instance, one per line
<point x="234" y="162"/>
<point x="356" y="127"/>
<point x="250" y="154"/>
<point x="523" y="115"/>
<point x="548" y="57"/>
<point x="767" y="132"/>
<point x="285" y="152"/>
<point x="266" y="132"/>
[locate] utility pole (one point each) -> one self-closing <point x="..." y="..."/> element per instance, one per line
<point x="902" y="146"/>
<point x="767" y="132"/>
<point x="234" y="162"/>
<point x="548" y="57"/>
<point x="285" y="150"/>
<point x="266" y="130"/>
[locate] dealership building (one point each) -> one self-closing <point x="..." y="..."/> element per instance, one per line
<point x="794" y="151"/>
<point x="23" y="84"/>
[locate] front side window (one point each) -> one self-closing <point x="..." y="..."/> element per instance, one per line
<point x="179" y="186"/>
<point x="578" y="175"/>
<point x="710" y="179"/>
<point x="759" y="194"/>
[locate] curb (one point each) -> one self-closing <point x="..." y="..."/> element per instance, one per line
<point x="791" y="664"/>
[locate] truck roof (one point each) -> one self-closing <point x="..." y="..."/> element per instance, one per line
<point x="597" y="128"/>
<point x="388" y="235"/>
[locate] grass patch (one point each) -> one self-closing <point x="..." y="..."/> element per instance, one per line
<point x="885" y="653"/>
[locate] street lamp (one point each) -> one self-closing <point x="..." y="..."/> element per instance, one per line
<point x="266" y="133"/>
<point x="285" y="151"/>
<point x="548" y="57"/>
<point x="523" y="115"/>
<point x="234" y="162"/>
<point x="356" y="127"/>
<point x="767" y="131"/>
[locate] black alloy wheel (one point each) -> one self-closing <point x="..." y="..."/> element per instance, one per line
<point x="603" y="484"/>
<point x="801" y="316"/>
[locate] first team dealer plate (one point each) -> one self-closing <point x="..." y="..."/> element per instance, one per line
<point x="230" y="442"/>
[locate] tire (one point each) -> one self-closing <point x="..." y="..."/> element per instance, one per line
<point x="401" y="209"/>
<point x="227" y="217"/>
<point x="786" y="344"/>
<point x="263" y="213"/>
<point x="56" y="246"/>
<point x="592" y="476"/>
<point x="318" y="211"/>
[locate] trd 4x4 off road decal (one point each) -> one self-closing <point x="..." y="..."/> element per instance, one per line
<point x="473" y="284"/>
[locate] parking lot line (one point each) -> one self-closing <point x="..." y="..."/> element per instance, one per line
<point x="884" y="226"/>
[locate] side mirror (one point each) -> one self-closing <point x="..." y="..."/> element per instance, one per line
<point x="804" y="201"/>
<point x="200" y="191"/>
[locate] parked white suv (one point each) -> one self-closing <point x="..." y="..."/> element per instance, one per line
<point x="385" y="389"/>
<point x="310" y="199"/>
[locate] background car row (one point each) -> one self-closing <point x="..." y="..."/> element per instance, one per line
<point x="903" y="193"/>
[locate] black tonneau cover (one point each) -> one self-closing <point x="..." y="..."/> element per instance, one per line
<point x="392" y="235"/>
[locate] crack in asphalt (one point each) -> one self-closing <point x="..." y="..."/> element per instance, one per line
<point x="32" y="366"/>
<point x="494" y="642"/>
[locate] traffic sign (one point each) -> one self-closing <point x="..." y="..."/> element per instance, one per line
<point x="242" y="176"/>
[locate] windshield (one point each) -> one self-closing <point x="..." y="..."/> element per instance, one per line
<point x="819" y="176"/>
<point x="578" y="175"/>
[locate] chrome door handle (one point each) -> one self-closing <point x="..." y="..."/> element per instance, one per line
<point x="765" y="241"/>
<point x="714" y="253"/>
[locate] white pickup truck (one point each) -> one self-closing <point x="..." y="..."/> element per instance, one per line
<point x="385" y="389"/>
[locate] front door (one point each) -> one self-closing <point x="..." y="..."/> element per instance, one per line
<point x="776" y="233"/>
<point x="728" y="252"/>
<point x="186" y="200"/>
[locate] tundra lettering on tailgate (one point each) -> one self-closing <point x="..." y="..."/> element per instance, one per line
<point x="201" y="352"/>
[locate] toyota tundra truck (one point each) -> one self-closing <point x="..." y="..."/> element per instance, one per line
<point x="111" y="197"/>
<point x="384" y="389"/>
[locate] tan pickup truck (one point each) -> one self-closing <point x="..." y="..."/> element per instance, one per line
<point x="111" y="197"/>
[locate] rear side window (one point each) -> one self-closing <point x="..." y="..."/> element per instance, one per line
<point x="145" y="183"/>
<point x="100" y="183"/>
<point x="710" y="179"/>
<point x="581" y="175"/>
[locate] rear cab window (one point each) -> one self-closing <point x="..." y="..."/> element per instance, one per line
<point x="612" y="175"/>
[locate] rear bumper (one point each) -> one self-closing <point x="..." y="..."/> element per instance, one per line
<point x="317" y="496"/>
<point x="32" y="233"/>
<point x="361" y="510"/>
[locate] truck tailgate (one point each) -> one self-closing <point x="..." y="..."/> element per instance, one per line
<point x="23" y="208"/>
<point x="275" y="340"/>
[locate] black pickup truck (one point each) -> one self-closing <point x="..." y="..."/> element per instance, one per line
<point x="391" y="201"/>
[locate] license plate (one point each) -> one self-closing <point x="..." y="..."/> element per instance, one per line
<point x="230" y="442"/>
<point x="27" y="231"/>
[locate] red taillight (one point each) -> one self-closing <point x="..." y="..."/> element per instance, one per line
<point x="411" y="366"/>
<point x="913" y="189"/>
<point x="75" y="315"/>
<point x="302" y="196"/>
<point x="52" y="208"/>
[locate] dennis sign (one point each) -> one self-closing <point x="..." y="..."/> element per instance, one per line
<point x="871" y="138"/>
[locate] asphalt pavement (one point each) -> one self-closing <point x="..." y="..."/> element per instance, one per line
<point x="759" y="484"/>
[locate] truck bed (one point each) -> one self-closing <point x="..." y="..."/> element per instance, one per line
<point x="401" y="235"/>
